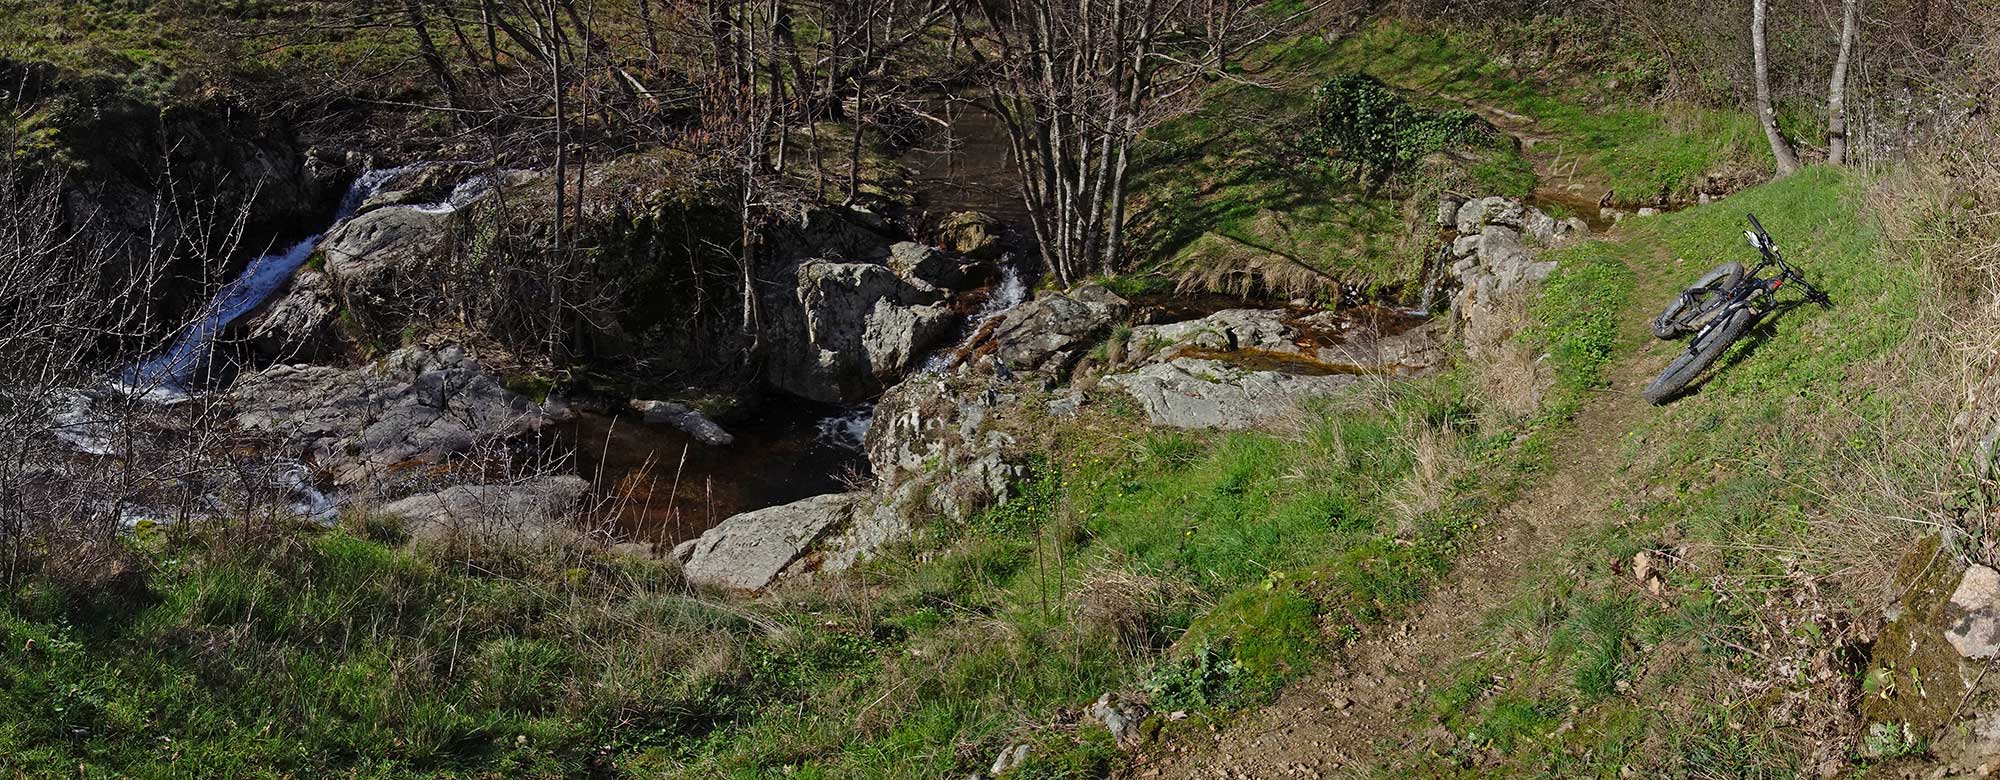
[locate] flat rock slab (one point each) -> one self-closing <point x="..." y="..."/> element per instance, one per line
<point x="521" y="512"/>
<point x="749" y="551"/>
<point x="1200" y="393"/>
<point x="1975" y="609"/>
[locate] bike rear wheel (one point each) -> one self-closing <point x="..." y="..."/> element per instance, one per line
<point x="1685" y="313"/>
<point x="1698" y="357"/>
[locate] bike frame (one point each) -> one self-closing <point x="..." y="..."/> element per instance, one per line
<point x="1754" y="289"/>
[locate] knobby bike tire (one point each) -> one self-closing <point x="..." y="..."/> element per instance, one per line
<point x="1675" y="321"/>
<point x="1698" y="357"/>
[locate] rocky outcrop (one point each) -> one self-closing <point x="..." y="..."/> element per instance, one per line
<point x="297" y="324"/>
<point x="376" y="259"/>
<point x="417" y="406"/>
<point x="972" y="234"/>
<point x="749" y="551"/>
<point x="1975" y="612"/>
<point x="856" y="328"/>
<point x="926" y="265"/>
<point x="1198" y="393"/>
<point x="931" y="440"/>
<point x="1049" y="334"/>
<point x="1491" y="257"/>
<point x="533" y="510"/>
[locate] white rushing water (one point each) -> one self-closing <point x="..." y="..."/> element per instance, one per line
<point x="1009" y="292"/>
<point x="165" y="376"/>
<point x="847" y="430"/>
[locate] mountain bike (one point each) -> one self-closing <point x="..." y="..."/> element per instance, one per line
<point x="1721" y="306"/>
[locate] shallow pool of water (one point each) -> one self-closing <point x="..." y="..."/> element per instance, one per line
<point x="658" y="484"/>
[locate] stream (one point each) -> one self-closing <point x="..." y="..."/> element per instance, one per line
<point x="170" y="374"/>
<point x="658" y="484"/>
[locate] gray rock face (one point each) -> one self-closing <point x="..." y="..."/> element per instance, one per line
<point x="750" y="550"/>
<point x="972" y="234"/>
<point x="859" y="326"/>
<point x="296" y="325"/>
<point x="1975" y="606"/>
<point x="1391" y="346"/>
<point x="923" y="265"/>
<point x="931" y="432"/>
<point x="377" y="257"/>
<point x="1198" y="393"/>
<point x="1494" y="257"/>
<point x="415" y="406"/>
<point x="1120" y="718"/>
<point x="694" y="423"/>
<point x="1049" y="334"/>
<point x="525" y="512"/>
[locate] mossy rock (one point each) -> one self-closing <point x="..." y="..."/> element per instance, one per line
<point x="1916" y="679"/>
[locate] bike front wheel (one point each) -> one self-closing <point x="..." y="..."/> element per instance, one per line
<point x="1685" y="313"/>
<point x="1698" y="357"/>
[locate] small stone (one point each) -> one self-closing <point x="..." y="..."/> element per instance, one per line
<point x="1976" y="607"/>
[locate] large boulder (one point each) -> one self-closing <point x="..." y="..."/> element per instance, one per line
<point x="749" y="551"/>
<point x="1229" y="329"/>
<point x="931" y="439"/>
<point x="528" y="511"/>
<point x="926" y="265"/>
<point x="377" y="258"/>
<point x="417" y="406"/>
<point x="1051" y="333"/>
<point x="857" y="327"/>
<point x="1199" y="393"/>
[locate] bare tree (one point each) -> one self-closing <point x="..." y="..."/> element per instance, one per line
<point x="1076" y="82"/>
<point x="1781" y="149"/>
<point x="1836" y="92"/>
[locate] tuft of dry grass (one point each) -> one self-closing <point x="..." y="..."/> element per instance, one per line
<point x="1434" y="463"/>
<point x="1129" y="606"/>
<point x="1513" y="377"/>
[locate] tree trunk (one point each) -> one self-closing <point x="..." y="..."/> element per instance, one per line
<point x="1781" y="149"/>
<point x="420" y="27"/>
<point x="1836" y="92"/>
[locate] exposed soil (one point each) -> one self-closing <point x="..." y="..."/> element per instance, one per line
<point x="1361" y="712"/>
<point x="1356" y="714"/>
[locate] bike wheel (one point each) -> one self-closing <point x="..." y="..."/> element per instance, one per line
<point x="1697" y="359"/>
<point x="1684" y="314"/>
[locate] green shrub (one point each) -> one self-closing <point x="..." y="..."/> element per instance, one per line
<point x="1371" y="127"/>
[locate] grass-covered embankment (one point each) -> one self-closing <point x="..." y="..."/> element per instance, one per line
<point x="1765" y="504"/>
<point x="1240" y="197"/>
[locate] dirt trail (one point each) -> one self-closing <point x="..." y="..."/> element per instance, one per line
<point x="1359" y="712"/>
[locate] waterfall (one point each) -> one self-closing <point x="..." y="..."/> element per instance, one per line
<point x="1009" y="292"/>
<point x="165" y="376"/>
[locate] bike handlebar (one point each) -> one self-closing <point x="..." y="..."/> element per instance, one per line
<point x="1770" y="250"/>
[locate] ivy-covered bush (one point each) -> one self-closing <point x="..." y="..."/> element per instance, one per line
<point x="1362" y="123"/>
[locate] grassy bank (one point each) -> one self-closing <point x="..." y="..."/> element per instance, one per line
<point x="1762" y="506"/>
<point x="1201" y="570"/>
<point x="1237" y="198"/>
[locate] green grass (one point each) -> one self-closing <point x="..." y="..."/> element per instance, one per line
<point x="1744" y="479"/>
<point x="1637" y="150"/>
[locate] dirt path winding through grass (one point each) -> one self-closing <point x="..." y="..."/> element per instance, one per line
<point x="1368" y="707"/>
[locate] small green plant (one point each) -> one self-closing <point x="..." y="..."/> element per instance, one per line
<point x="1196" y="681"/>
